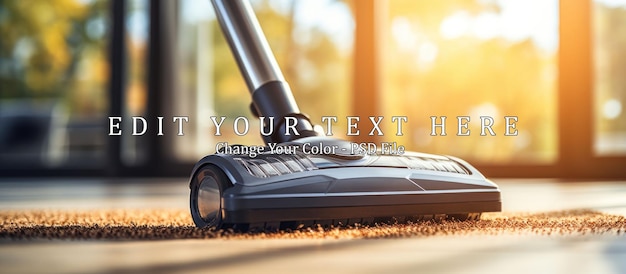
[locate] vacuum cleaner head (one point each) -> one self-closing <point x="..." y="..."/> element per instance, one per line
<point x="289" y="189"/>
<point x="296" y="187"/>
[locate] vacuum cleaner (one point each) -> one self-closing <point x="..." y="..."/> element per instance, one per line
<point x="293" y="189"/>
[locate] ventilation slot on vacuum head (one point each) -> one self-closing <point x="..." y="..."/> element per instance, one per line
<point x="421" y="163"/>
<point x="264" y="167"/>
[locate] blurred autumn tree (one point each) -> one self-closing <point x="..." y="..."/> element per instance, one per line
<point x="436" y="66"/>
<point x="54" y="50"/>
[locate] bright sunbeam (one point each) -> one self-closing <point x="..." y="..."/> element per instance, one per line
<point x="455" y="25"/>
<point x="612" y="3"/>
<point x="517" y="20"/>
<point x="403" y="33"/>
<point x="612" y="109"/>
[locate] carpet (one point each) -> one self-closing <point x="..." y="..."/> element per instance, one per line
<point x="162" y="224"/>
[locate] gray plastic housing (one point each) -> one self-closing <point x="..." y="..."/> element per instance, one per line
<point x="287" y="187"/>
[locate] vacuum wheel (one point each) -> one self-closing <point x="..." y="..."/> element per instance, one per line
<point x="207" y="188"/>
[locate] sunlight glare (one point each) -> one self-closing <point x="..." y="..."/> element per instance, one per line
<point x="516" y="21"/>
<point x="427" y="53"/>
<point x="403" y="34"/>
<point x="612" y="109"/>
<point x="455" y="25"/>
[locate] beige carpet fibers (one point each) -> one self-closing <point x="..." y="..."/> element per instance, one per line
<point x="144" y="224"/>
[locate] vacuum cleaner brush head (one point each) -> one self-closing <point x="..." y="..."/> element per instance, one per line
<point x="286" y="190"/>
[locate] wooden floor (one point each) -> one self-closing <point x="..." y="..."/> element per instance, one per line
<point x="550" y="211"/>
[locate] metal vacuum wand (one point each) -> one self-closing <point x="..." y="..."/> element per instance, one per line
<point x="271" y="95"/>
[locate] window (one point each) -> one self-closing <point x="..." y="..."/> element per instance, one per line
<point x="53" y="83"/>
<point x="134" y="92"/>
<point x="609" y="25"/>
<point x="474" y="58"/>
<point x="557" y="65"/>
